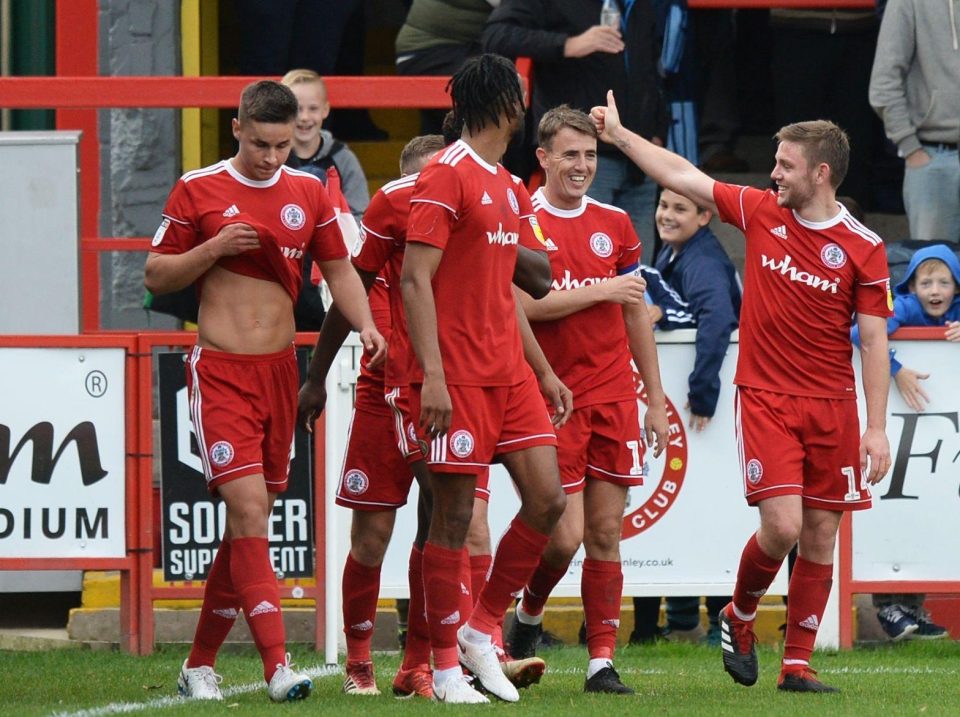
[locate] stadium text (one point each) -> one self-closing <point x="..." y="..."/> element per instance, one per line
<point x="53" y="523"/>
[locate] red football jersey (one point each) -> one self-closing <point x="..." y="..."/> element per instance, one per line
<point x="803" y="282"/>
<point x="476" y="213"/>
<point x="290" y="211"/>
<point x="588" y="349"/>
<point x="383" y="237"/>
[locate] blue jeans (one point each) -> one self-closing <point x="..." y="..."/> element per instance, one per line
<point x="614" y="185"/>
<point x="931" y="196"/>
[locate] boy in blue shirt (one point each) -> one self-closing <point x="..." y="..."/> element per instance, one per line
<point x="928" y="295"/>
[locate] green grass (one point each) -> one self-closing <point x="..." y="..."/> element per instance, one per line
<point x="909" y="679"/>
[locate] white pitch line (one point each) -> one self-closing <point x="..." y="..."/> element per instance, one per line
<point x="117" y="708"/>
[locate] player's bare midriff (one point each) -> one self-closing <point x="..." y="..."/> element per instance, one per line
<point x="243" y="315"/>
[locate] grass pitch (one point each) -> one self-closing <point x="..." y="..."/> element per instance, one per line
<point x="909" y="679"/>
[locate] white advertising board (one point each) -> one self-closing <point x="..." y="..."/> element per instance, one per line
<point x="910" y="533"/>
<point x="62" y="453"/>
<point x="684" y="528"/>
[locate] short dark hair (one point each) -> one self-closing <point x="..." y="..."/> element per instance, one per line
<point x="267" y="101"/>
<point x="822" y="141"/>
<point x="485" y="87"/>
<point x="450" y="129"/>
<point x="419" y="148"/>
<point x="557" y="118"/>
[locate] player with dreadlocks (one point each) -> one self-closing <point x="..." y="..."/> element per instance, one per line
<point x="476" y="399"/>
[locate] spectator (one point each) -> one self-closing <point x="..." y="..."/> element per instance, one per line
<point x="928" y="295"/>
<point x="435" y="39"/>
<point x="575" y="61"/>
<point x="913" y="88"/>
<point x="315" y="150"/>
<point x="837" y="47"/>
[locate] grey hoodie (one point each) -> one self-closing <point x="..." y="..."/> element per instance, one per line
<point x="915" y="84"/>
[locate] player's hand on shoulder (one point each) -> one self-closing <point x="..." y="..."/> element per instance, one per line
<point x="624" y="289"/>
<point x="874" y="455"/>
<point x="908" y="383"/>
<point x="656" y="425"/>
<point x="310" y="403"/>
<point x="234" y="239"/>
<point x="374" y="345"/>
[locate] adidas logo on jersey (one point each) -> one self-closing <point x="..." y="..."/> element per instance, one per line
<point x="451" y="619"/>
<point x="780" y="232"/>
<point x="810" y="623"/>
<point x="364" y="626"/>
<point x="227" y="613"/>
<point x="231" y="211"/>
<point x="486" y="198"/>
<point x="264" y="607"/>
<point x="785" y="268"/>
<point x="463" y="589"/>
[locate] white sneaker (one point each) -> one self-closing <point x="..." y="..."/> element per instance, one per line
<point x="482" y="661"/>
<point x="199" y="683"/>
<point x="458" y="691"/>
<point x="287" y="685"/>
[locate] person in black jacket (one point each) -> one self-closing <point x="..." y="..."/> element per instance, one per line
<point x="576" y="60"/>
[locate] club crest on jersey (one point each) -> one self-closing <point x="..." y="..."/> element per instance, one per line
<point x="412" y="432"/>
<point x="355" y="482"/>
<point x="293" y="217"/>
<point x="461" y="443"/>
<point x="833" y="256"/>
<point x="512" y="198"/>
<point x="161" y="230"/>
<point x="221" y="453"/>
<point x="754" y="471"/>
<point x="601" y="245"/>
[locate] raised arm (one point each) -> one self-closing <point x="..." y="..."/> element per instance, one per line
<point x="874" y="446"/>
<point x="666" y="168"/>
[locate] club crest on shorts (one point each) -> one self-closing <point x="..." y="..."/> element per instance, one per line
<point x="221" y="453"/>
<point x="461" y="443"/>
<point x="512" y="198"/>
<point x="754" y="471"/>
<point x="355" y="482"/>
<point x="833" y="256"/>
<point x="293" y="217"/>
<point x="601" y="245"/>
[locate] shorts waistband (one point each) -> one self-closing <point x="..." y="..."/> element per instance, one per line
<point x="275" y="357"/>
<point x="942" y="146"/>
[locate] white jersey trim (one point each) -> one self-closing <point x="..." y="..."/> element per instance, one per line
<point x="205" y="171"/>
<point x="439" y="204"/>
<point x="368" y="230"/>
<point x="256" y="184"/>
<point x="860" y="230"/>
<point x="459" y="149"/>
<point x="820" y="226"/>
<point x="393" y="185"/>
<point x="300" y="173"/>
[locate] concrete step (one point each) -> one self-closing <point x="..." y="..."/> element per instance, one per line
<point x="37" y="639"/>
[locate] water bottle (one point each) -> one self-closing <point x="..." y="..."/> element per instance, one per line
<point x="610" y="14"/>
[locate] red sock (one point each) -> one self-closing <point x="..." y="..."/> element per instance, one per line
<point x="441" y="588"/>
<point x="539" y="587"/>
<point x="810" y="585"/>
<point x="417" y="648"/>
<point x="361" y="587"/>
<point x="601" y="587"/>
<point x="479" y="567"/>
<point x="466" y="580"/>
<point x="256" y="584"/>
<point x="221" y="605"/>
<point x="517" y="556"/>
<point x="757" y="571"/>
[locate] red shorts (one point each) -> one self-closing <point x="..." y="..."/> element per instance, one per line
<point x="369" y="396"/>
<point x="375" y="476"/>
<point x="244" y="411"/>
<point x="794" y="445"/>
<point x="488" y="421"/>
<point x="404" y="427"/>
<point x="482" y="490"/>
<point x="604" y="442"/>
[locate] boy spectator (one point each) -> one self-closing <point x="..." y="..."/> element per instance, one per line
<point x="928" y="295"/>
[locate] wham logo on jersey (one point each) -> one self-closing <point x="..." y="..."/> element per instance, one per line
<point x="293" y="217"/>
<point x="291" y="252"/>
<point x="779" y="232"/>
<point x="503" y="238"/>
<point x="568" y="281"/>
<point x="785" y="267"/>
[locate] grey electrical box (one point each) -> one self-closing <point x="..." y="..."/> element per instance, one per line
<point x="39" y="233"/>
